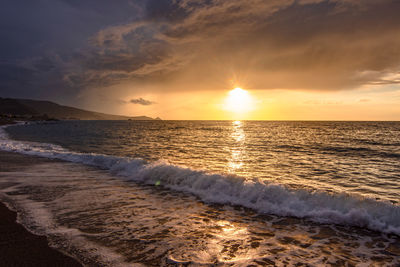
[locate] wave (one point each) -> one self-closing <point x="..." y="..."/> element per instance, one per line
<point x="357" y="151"/>
<point x="264" y="197"/>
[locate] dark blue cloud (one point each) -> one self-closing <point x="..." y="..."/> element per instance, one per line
<point x="166" y="10"/>
<point x="33" y="31"/>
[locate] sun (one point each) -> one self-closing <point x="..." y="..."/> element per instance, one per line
<point x="238" y="101"/>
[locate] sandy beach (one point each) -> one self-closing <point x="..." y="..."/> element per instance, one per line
<point x="19" y="247"/>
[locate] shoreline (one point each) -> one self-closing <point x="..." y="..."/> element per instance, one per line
<point x="382" y="248"/>
<point x="18" y="246"/>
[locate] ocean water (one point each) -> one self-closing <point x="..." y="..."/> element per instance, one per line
<point x="212" y="192"/>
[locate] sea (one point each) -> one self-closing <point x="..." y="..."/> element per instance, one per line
<point x="210" y="193"/>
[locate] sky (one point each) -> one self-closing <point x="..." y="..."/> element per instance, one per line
<point x="181" y="59"/>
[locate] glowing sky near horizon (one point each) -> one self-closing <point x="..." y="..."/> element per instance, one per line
<point x="295" y="60"/>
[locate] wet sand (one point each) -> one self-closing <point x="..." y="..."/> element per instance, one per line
<point x="18" y="247"/>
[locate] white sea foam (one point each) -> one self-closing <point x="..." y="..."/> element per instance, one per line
<point x="227" y="189"/>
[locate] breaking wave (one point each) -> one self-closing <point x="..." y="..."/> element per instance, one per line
<point x="261" y="196"/>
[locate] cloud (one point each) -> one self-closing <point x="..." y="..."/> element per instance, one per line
<point x="180" y="45"/>
<point x="257" y="44"/>
<point x="141" y="101"/>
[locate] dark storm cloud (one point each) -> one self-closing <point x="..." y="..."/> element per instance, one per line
<point x="34" y="33"/>
<point x="10" y="74"/>
<point x="189" y="45"/>
<point x="141" y="101"/>
<point x="166" y="10"/>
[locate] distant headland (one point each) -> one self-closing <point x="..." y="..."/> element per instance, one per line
<point x="27" y="109"/>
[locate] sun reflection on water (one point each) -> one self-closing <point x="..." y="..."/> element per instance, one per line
<point x="237" y="148"/>
<point x="230" y="230"/>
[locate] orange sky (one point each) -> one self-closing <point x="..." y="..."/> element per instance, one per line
<point x="298" y="60"/>
<point x="366" y="103"/>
